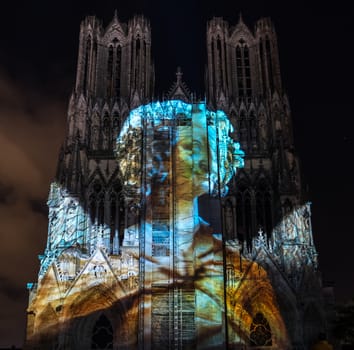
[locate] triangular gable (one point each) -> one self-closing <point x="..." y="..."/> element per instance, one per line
<point x="97" y="271"/>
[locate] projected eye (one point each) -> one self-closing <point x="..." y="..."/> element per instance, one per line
<point x="197" y="146"/>
<point x="186" y="145"/>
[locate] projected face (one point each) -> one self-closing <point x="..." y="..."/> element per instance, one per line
<point x="196" y="158"/>
<point x="205" y="154"/>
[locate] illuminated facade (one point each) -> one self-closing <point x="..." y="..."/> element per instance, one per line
<point x="177" y="224"/>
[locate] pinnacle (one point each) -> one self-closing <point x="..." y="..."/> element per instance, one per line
<point x="179" y="75"/>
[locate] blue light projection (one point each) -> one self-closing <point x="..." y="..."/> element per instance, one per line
<point x="170" y="153"/>
<point x="223" y="157"/>
<point x="172" y="275"/>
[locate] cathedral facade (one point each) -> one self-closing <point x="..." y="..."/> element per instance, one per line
<point x="177" y="224"/>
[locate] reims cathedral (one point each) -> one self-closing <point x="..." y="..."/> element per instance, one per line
<point x="177" y="223"/>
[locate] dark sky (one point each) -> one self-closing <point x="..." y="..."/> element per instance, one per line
<point x="38" y="52"/>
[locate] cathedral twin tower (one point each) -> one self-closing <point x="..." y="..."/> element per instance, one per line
<point x="177" y="224"/>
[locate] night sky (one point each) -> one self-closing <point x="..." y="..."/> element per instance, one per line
<point x="38" y="53"/>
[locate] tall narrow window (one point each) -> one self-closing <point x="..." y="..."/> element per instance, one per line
<point x="92" y="207"/>
<point x="114" y="216"/>
<point x="243" y="130"/>
<point x="243" y="70"/>
<point x="243" y="210"/>
<point x="247" y="70"/>
<point x="143" y="76"/>
<point x="213" y="64"/>
<point x="239" y="71"/>
<point x="263" y="69"/>
<point x="260" y="332"/>
<point x="228" y="220"/>
<point x="269" y="64"/>
<point x="220" y="63"/>
<point x="96" y="193"/>
<point x="137" y="62"/>
<point x="268" y="213"/>
<point x="106" y="137"/>
<point x="101" y="210"/>
<point x="87" y="64"/>
<point x="93" y="68"/>
<point x="252" y="127"/>
<point x="115" y="129"/>
<point x="240" y="218"/>
<point x="109" y="75"/>
<point x="132" y="67"/>
<point x="248" y="215"/>
<point x="118" y="69"/>
<point x="102" y="334"/>
<point x="263" y="208"/>
<point x="260" y="212"/>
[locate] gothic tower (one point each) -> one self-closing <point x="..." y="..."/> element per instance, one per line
<point x="114" y="75"/>
<point x="177" y="224"/>
<point x="243" y="79"/>
<point x="265" y="203"/>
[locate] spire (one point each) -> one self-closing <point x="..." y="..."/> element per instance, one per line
<point x="179" y="76"/>
<point x="115" y="15"/>
<point x="240" y="19"/>
<point x="179" y="90"/>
